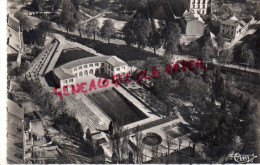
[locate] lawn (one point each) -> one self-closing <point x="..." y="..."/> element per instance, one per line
<point x="68" y="55"/>
<point x="117" y="108"/>
<point x="124" y="52"/>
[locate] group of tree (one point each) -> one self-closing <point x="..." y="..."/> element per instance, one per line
<point x="142" y="32"/>
<point x="37" y="35"/>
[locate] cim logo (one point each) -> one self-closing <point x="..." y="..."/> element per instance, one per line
<point x="239" y="158"/>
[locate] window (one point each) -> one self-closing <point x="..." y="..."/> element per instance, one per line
<point x="91" y="71"/>
<point x="76" y="74"/>
<point x="80" y="73"/>
<point x="65" y="81"/>
<point x="123" y="67"/>
<point x="233" y="27"/>
<point x="75" y="69"/>
<point x="102" y="64"/>
<point x="80" y="67"/>
<point x="108" y="66"/>
<point x="71" y="80"/>
<point x="85" y="72"/>
<point x="223" y="30"/>
<point x="10" y="35"/>
<point x="96" y="64"/>
<point x="102" y="70"/>
<point x="228" y="32"/>
<point x="232" y="32"/>
<point x="117" y="69"/>
<point x="85" y="66"/>
<point x="193" y="6"/>
<point x="90" y="65"/>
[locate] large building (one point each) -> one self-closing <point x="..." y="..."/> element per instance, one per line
<point x="233" y="27"/>
<point x="199" y="6"/>
<point x="109" y="65"/>
<point x="14" y="42"/>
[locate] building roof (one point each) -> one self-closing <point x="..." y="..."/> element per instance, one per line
<point x="83" y="61"/>
<point x="13" y="22"/>
<point x="115" y="61"/>
<point x="14" y="109"/>
<point x="36" y="127"/>
<point x="189" y="16"/>
<point x="62" y="73"/>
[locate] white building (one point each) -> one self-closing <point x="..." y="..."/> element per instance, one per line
<point x="233" y="27"/>
<point x="199" y="6"/>
<point x="109" y="65"/>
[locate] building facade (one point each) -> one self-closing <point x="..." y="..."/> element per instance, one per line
<point x="199" y="6"/>
<point x="233" y="27"/>
<point x="68" y="73"/>
<point x="14" y="42"/>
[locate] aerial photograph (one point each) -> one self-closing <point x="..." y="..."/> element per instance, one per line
<point x="132" y="81"/>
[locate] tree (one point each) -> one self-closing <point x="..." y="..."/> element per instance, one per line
<point x="38" y="5"/>
<point x="131" y="158"/>
<point x="207" y="52"/>
<point x="55" y="4"/>
<point x="25" y="22"/>
<point x="154" y="40"/>
<point x="92" y="28"/>
<point x="225" y="56"/>
<point x="171" y="38"/>
<point x="139" y="145"/>
<point x="169" y="142"/>
<point x="68" y="16"/>
<point x="88" y="136"/>
<point x="248" y="57"/>
<point x="180" y="141"/>
<point x="194" y="49"/>
<point x="220" y="42"/>
<point x="45" y="27"/>
<point x="137" y="31"/>
<point x="108" y="29"/>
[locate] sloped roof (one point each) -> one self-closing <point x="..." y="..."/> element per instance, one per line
<point x="13" y="22"/>
<point x="63" y="73"/>
<point x="83" y="61"/>
<point x="115" y="61"/>
<point x="37" y="127"/>
<point x="14" y="109"/>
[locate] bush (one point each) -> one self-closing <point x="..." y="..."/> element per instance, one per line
<point x="69" y="125"/>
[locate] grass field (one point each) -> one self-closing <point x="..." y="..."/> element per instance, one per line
<point x="117" y="108"/>
<point x="68" y="55"/>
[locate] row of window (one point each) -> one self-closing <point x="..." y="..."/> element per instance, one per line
<point x="199" y="6"/>
<point x="193" y="1"/>
<point x="228" y="26"/>
<point x="231" y="32"/>
<point x="88" y="65"/>
<point x="70" y="80"/>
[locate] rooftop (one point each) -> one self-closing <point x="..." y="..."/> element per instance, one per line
<point x="15" y="109"/>
<point x="13" y="22"/>
<point x="36" y="127"/>
<point x="63" y="72"/>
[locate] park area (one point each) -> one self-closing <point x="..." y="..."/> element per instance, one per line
<point x="118" y="108"/>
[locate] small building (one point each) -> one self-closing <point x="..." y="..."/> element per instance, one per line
<point x="15" y="127"/>
<point x="15" y="42"/>
<point x="193" y="25"/>
<point x="233" y="27"/>
<point x="68" y="73"/>
<point x="199" y="6"/>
